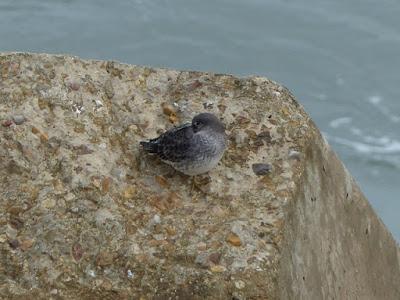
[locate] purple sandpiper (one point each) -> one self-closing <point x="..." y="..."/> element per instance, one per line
<point x="192" y="148"/>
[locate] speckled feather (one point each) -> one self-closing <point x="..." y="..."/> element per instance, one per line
<point x="174" y="145"/>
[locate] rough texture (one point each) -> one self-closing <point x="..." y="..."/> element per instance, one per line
<point x="84" y="213"/>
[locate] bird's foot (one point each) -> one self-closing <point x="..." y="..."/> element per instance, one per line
<point x="201" y="183"/>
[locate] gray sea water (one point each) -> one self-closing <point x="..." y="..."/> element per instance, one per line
<point x="341" y="58"/>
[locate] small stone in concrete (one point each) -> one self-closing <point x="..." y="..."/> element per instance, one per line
<point x="26" y="244"/>
<point x="130" y="274"/>
<point x="293" y="154"/>
<point x="168" y="109"/>
<point x="74" y="86"/>
<point x="156" y="219"/>
<point x="7" y="123"/>
<point x="3" y="238"/>
<point x="54" y="292"/>
<point x="241" y="138"/>
<point x="201" y="246"/>
<point x="240" y="284"/>
<point x="208" y="105"/>
<point x="14" y="244"/>
<point x="49" y="203"/>
<point x="234" y="239"/>
<point x="11" y="232"/>
<point x="202" y="259"/>
<point x="129" y="192"/>
<point x="91" y="273"/>
<point x="261" y="169"/>
<point x="19" y="119"/>
<point x="229" y="175"/>
<point x="77" y="251"/>
<point x="109" y="89"/>
<point x="218" y="269"/>
<point x="98" y="105"/>
<point x="214" y="258"/>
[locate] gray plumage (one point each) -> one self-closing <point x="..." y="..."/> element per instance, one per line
<point x="191" y="148"/>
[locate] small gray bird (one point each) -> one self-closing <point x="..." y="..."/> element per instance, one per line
<point x="193" y="148"/>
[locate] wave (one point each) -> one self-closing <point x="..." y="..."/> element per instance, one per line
<point x="371" y="145"/>
<point x="376" y="101"/>
<point x="339" y="122"/>
<point x="377" y="151"/>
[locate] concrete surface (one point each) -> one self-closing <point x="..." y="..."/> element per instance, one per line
<point x="84" y="213"/>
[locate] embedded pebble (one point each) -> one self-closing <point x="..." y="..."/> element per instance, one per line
<point x="240" y="284"/>
<point x="208" y="105"/>
<point x="105" y="184"/>
<point x="3" y="238"/>
<point x="96" y="181"/>
<point x="83" y="150"/>
<point x="7" y="123"/>
<point x="234" y="239"/>
<point x="98" y="105"/>
<point x="19" y="119"/>
<point x="129" y="192"/>
<point x="218" y="269"/>
<point x="11" y="232"/>
<point x="202" y="259"/>
<point x="54" y="292"/>
<point x="261" y="169"/>
<point x="49" y="203"/>
<point x="156" y="219"/>
<point x="78" y="108"/>
<point x="109" y="89"/>
<point x="118" y="173"/>
<point x="293" y="154"/>
<point x="74" y="86"/>
<point x="173" y="119"/>
<point x="241" y="138"/>
<point x="74" y="210"/>
<point x="130" y="274"/>
<point x="201" y="246"/>
<point x="277" y="94"/>
<point x="77" y="251"/>
<point x="104" y="259"/>
<point x="214" y="258"/>
<point x="167" y="109"/>
<point x="26" y="244"/>
<point x="14" y="244"/>
<point x="229" y="175"/>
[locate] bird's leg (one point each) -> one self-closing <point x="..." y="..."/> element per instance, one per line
<point x="193" y="184"/>
<point x="200" y="182"/>
<point x="171" y="173"/>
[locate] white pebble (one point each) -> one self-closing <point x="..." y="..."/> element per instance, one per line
<point x="293" y="154"/>
<point x="130" y="274"/>
<point x="91" y="273"/>
<point x="240" y="284"/>
<point x="156" y="219"/>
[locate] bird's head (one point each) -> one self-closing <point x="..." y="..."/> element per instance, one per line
<point x="208" y="121"/>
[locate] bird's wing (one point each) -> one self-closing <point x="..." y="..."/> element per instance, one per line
<point x="176" y="144"/>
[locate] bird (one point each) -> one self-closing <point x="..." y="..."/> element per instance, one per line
<point x="191" y="148"/>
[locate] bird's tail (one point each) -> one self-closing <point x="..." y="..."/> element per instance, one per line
<point x="150" y="146"/>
